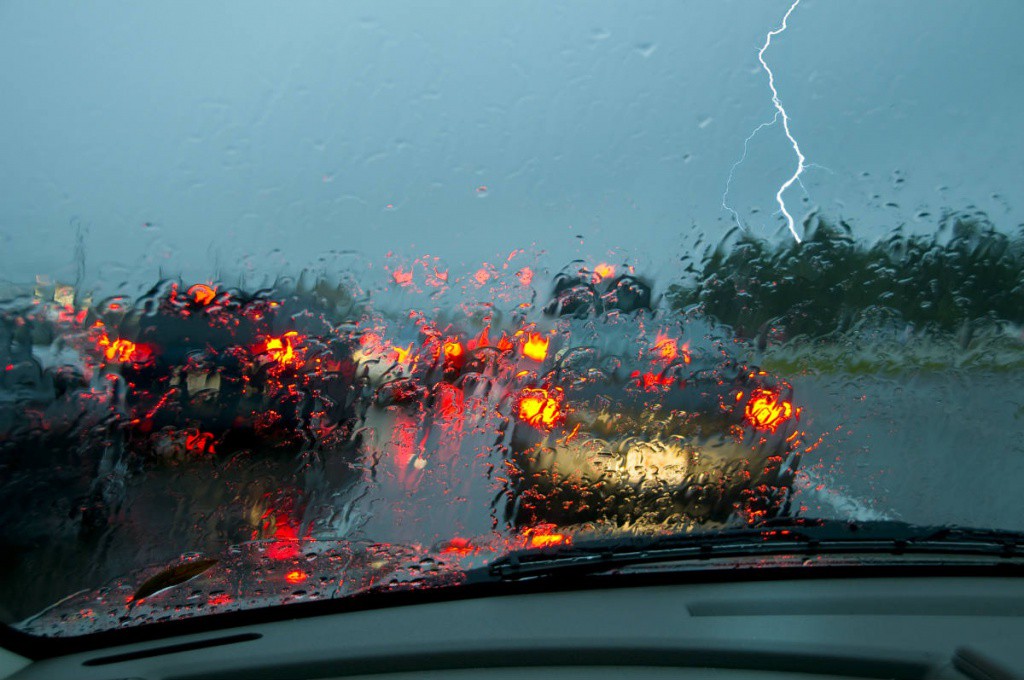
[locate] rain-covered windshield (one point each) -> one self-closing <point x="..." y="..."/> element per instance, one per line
<point x="302" y="301"/>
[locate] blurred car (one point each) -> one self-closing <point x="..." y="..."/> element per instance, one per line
<point x="606" y="427"/>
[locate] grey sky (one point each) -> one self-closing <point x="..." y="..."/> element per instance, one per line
<point x="242" y="127"/>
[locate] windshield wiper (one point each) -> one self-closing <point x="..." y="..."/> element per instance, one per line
<point x="797" y="537"/>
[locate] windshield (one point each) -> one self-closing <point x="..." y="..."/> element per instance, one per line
<point x="303" y="302"/>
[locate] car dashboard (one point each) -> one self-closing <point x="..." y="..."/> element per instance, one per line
<point x="877" y="627"/>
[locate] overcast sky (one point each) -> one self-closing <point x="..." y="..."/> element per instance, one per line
<point x="194" y="135"/>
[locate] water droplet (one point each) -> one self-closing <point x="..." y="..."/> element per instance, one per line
<point x="645" y="50"/>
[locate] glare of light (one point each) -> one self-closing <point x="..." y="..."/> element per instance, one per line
<point x="122" y="351"/>
<point x="458" y="546"/>
<point x="604" y="271"/>
<point x="766" y="411"/>
<point x="202" y="294"/>
<point x="285" y="545"/>
<point x="540" y="408"/>
<point x="545" y="540"/>
<point x="536" y="347"/>
<point x="401" y="354"/>
<point x="668" y="349"/>
<point x="544" y="535"/>
<point x="452" y="349"/>
<point x="296" y="576"/>
<point x="282" y="350"/>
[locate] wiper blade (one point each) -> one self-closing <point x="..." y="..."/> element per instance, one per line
<point x="799" y="537"/>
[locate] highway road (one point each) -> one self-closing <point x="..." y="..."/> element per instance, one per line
<point x="931" y="447"/>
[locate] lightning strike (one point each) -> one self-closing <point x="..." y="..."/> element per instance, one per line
<point x="780" y="111"/>
<point x="732" y="170"/>
<point x="785" y="122"/>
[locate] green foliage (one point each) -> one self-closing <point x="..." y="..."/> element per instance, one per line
<point x="964" y="272"/>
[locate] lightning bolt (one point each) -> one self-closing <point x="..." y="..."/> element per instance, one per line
<point x="780" y="111"/>
<point x="785" y="122"/>
<point x="728" y="182"/>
